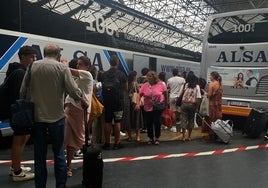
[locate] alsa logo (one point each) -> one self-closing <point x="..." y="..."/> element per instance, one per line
<point x="96" y="61"/>
<point x="246" y="56"/>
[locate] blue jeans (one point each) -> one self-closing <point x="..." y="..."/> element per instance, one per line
<point x="56" y="132"/>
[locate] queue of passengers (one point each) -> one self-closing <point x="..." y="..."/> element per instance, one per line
<point x="61" y="93"/>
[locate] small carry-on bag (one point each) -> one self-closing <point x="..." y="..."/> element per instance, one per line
<point x="167" y="118"/>
<point x="92" y="162"/>
<point x="256" y="123"/>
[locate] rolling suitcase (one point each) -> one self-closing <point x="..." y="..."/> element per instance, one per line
<point x="222" y="128"/>
<point x="256" y="123"/>
<point x="92" y="162"/>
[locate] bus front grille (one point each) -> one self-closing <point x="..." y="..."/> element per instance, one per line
<point x="262" y="86"/>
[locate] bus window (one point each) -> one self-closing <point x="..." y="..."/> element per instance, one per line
<point x="239" y="29"/>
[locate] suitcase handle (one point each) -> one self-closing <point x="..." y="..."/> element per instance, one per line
<point x="86" y="126"/>
<point x="228" y="121"/>
<point x="203" y="119"/>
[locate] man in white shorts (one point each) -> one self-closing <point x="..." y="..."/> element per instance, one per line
<point x="175" y="85"/>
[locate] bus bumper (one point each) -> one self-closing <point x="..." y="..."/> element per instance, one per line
<point x="236" y="111"/>
<point x="5" y="129"/>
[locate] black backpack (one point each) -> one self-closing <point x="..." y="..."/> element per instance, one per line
<point x="4" y="100"/>
<point x="110" y="86"/>
<point x="7" y="98"/>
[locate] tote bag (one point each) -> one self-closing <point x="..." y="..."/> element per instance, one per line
<point x="204" y="107"/>
<point x="135" y="94"/>
<point x="167" y="117"/>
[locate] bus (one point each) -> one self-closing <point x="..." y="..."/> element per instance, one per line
<point x="236" y="46"/>
<point x="11" y="41"/>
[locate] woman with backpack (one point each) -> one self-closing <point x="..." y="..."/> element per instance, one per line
<point x="190" y="103"/>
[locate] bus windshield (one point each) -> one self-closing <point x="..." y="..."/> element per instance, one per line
<point x="239" y="29"/>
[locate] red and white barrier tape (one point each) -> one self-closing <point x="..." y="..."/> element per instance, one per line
<point x="159" y="156"/>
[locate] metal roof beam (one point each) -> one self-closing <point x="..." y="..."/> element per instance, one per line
<point x="137" y="14"/>
<point x="208" y="2"/>
<point x="43" y="2"/>
<point x="78" y="9"/>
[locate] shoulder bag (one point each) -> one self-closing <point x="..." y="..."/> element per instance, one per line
<point x="96" y="107"/>
<point x="157" y="106"/>
<point x="179" y="99"/>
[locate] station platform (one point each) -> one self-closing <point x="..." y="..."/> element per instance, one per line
<point x="172" y="164"/>
<point x="168" y="135"/>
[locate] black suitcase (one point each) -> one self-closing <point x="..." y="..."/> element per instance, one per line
<point x="92" y="162"/>
<point x="256" y="123"/>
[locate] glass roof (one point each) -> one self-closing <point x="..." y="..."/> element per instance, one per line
<point x="178" y="23"/>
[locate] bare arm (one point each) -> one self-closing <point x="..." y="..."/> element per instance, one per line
<point x="165" y="93"/>
<point x="210" y="90"/>
<point x="74" y="72"/>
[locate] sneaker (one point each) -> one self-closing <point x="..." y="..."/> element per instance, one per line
<point x="178" y="122"/>
<point x="173" y="129"/>
<point x="266" y="137"/>
<point x="122" y="133"/>
<point x="78" y="155"/>
<point x="69" y="172"/>
<point x="164" y="127"/>
<point x="156" y="142"/>
<point x="23" y="168"/>
<point x="23" y="176"/>
<point x="143" y="131"/>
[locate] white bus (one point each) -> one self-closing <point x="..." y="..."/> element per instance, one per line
<point x="12" y="41"/>
<point x="236" y="45"/>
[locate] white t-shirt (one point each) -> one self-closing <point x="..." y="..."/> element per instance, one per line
<point x="174" y="84"/>
<point x="85" y="83"/>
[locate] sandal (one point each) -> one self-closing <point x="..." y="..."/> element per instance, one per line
<point x="129" y="139"/>
<point x="69" y="172"/>
<point x="150" y="142"/>
<point x="156" y="142"/>
<point x="138" y="139"/>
